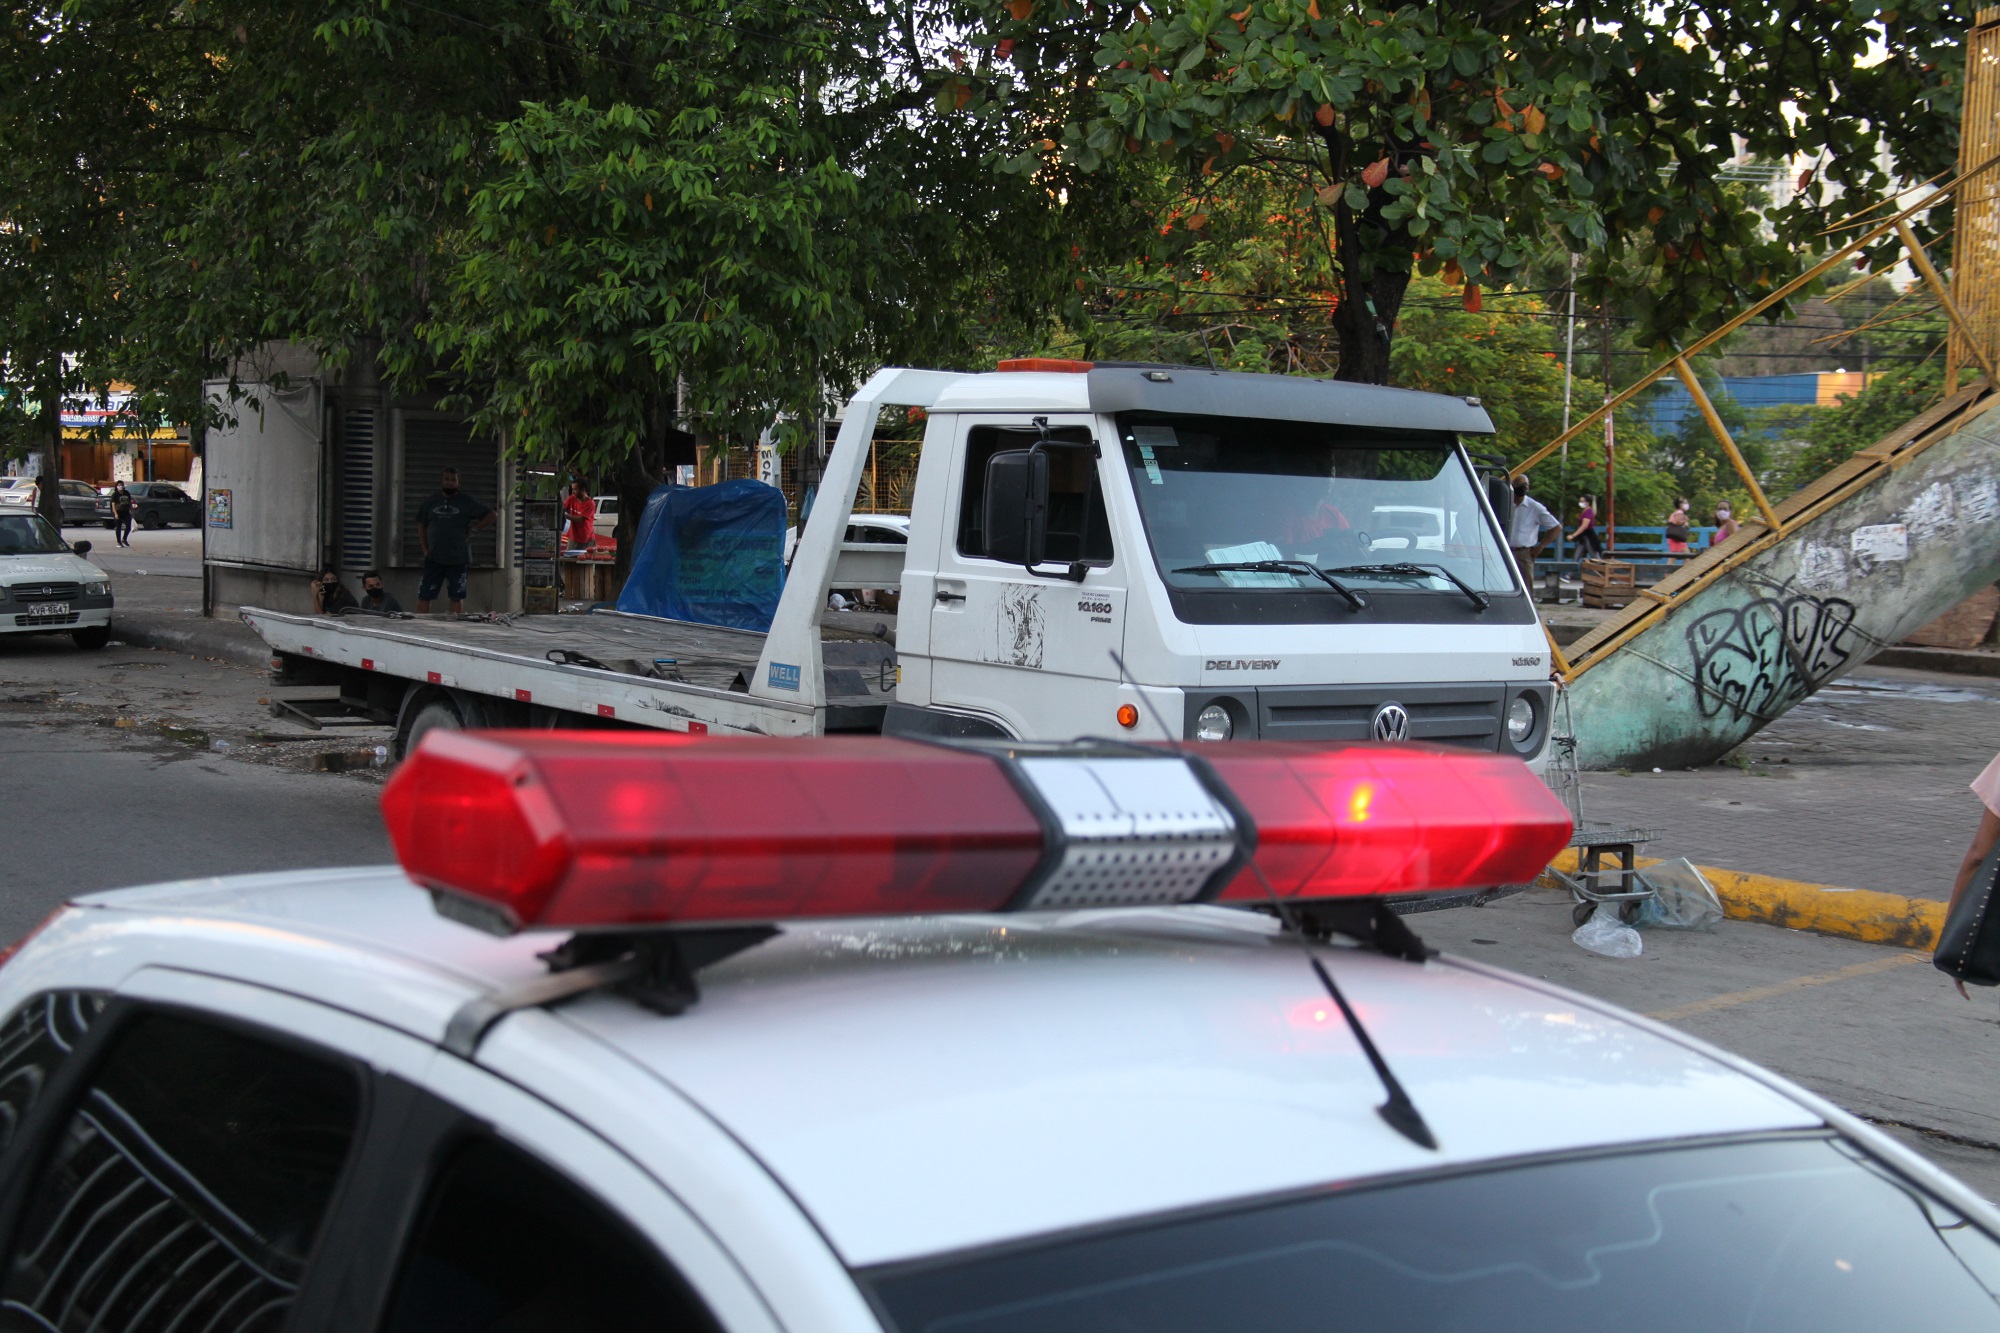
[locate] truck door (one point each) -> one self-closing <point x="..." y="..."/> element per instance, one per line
<point x="1030" y="651"/>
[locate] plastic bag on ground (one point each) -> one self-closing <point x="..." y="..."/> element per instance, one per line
<point x="1683" y="899"/>
<point x="1605" y="934"/>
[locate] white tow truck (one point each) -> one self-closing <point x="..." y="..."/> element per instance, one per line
<point x="1152" y="552"/>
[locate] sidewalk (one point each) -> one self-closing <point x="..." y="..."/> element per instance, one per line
<point x="156" y="584"/>
<point x="1863" y="786"/>
<point x="164" y="611"/>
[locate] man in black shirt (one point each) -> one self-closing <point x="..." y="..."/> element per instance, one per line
<point x="445" y="525"/>
<point x="375" y="597"/>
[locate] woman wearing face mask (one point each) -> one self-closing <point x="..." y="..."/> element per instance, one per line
<point x="1725" y="524"/>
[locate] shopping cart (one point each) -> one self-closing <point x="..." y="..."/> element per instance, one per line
<point x="1607" y="857"/>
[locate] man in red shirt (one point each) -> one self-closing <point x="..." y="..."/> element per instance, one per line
<point x="581" y="512"/>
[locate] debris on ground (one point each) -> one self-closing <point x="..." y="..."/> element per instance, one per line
<point x="1605" y="934"/>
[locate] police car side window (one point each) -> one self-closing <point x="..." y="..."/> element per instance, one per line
<point x="188" y="1186"/>
<point x="33" y="1042"/>
<point x="506" y="1244"/>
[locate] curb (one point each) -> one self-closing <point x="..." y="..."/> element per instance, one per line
<point x="234" y="644"/>
<point x="1855" y="914"/>
<point x="1958" y="661"/>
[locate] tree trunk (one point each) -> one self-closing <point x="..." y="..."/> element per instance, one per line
<point x="638" y="473"/>
<point x="1375" y="258"/>
<point x="48" y="495"/>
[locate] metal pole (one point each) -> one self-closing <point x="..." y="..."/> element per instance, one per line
<point x="1569" y="377"/>
<point x="1721" y="434"/>
<point x="1610" y="440"/>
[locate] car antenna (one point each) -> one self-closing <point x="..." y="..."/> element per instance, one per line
<point x="1209" y="350"/>
<point x="1397" y="1110"/>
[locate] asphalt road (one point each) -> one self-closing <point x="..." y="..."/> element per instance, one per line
<point x="92" y="804"/>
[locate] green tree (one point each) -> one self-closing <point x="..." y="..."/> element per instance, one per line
<point x="555" y="213"/>
<point x="1462" y="139"/>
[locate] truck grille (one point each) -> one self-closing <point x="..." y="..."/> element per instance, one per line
<point x="22" y="622"/>
<point x="1467" y="715"/>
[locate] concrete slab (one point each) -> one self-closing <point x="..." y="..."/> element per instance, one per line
<point x="1863" y="786"/>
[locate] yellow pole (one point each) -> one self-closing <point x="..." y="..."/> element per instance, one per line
<point x="1943" y="294"/>
<point x="1721" y="433"/>
<point x="1716" y="335"/>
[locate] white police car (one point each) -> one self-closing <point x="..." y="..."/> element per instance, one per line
<point x="46" y="585"/>
<point x="1008" y="1064"/>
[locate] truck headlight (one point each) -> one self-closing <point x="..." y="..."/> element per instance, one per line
<point x="96" y="589"/>
<point x="1520" y="720"/>
<point x="1213" y="723"/>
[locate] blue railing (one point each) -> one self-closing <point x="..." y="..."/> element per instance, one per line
<point x="1635" y="543"/>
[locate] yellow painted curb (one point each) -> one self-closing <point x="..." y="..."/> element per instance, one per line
<point x="1855" y="914"/>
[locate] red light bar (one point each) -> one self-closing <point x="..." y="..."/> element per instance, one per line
<point x="1368" y="821"/>
<point x="1057" y="364"/>
<point x="581" y="830"/>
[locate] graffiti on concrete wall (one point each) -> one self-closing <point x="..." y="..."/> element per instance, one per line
<point x="1761" y="657"/>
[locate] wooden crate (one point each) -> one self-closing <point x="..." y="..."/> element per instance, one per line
<point x="1609" y="583"/>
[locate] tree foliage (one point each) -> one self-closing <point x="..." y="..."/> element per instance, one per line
<point x="1460" y="139"/>
<point x="570" y="217"/>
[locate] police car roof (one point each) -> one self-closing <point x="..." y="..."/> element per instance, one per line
<point x="922" y="1086"/>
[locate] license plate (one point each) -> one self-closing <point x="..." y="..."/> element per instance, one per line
<point x="48" y="608"/>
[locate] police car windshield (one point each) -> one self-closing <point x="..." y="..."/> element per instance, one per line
<point x="1217" y="491"/>
<point x="27" y="534"/>
<point x="1788" y="1234"/>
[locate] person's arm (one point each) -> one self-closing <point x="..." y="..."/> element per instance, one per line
<point x="1983" y="843"/>
<point x="424" y="531"/>
<point x="1549" y="525"/>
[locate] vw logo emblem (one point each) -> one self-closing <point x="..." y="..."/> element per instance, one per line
<point x="1392" y="723"/>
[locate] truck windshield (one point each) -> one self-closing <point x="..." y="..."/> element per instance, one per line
<point x="1379" y="508"/>
<point x="27" y="534"/>
<point x="1761" y="1236"/>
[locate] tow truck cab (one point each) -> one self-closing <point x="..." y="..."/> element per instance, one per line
<point x="1221" y="556"/>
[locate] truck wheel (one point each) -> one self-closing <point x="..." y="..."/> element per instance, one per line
<point x="92" y="638"/>
<point x="437" y="715"/>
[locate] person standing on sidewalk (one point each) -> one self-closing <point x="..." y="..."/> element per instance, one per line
<point x="1589" y="539"/>
<point x="1677" y="529"/>
<point x="1530" y="533"/>
<point x="1987" y="788"/>
<point x="1725" y="524"/>
<point x="581" y="512"/>
<point x="121" y="513"/>
<point x="445" y="524"/>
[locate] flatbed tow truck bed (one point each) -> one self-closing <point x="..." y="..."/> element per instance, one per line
<point x="641" y="670"/>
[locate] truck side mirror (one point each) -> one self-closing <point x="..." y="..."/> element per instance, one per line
<point x="1016" y="514"/>
<point x="1500" y="494"/>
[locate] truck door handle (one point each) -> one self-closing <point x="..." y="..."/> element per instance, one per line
<point x="951" y="596"/>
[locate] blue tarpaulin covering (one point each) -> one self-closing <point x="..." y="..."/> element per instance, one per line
<point x="711" y="554"/>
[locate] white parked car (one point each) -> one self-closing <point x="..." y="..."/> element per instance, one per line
<point x="856" y="1034"/>
<point x="17" y="492"/>
<point x="46" y="585"/>
<point x="607" y="516"/>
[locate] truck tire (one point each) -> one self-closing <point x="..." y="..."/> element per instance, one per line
<point x="92" y="638"/>
<point x="434" y="715"/>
